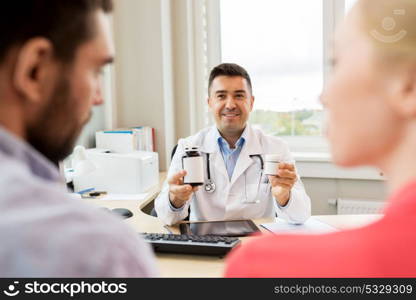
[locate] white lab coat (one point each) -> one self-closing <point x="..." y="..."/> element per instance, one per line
<point x="226" y="202"/>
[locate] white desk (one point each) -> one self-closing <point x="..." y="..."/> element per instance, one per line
<point x="181" y="265"/>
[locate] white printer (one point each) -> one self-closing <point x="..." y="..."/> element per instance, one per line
<point x="122" y="173"/>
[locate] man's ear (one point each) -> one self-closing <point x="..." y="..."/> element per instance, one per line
<point x="252" y="103"/>
<point x="209" y="102"/>
<point x="33" y="67"/>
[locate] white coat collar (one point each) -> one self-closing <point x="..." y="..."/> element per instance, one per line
<point x="251" y="146"/>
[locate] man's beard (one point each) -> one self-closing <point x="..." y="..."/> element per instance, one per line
<point x="232" y="129"/>
<point x="56" y="130"/>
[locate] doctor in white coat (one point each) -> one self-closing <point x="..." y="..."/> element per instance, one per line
<point x="231" y="151"/>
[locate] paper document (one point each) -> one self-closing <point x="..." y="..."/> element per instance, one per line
<point x="110" y="196"/>
<point x="311" y="226"/>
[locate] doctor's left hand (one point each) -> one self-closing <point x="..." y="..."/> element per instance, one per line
<point x="283" y="182"/>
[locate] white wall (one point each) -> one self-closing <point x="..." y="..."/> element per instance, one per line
<point x="141" y="94"/>
<point x="320" y="190"/>
<point x="182" y="67"/>
<point x="158" y="69"/>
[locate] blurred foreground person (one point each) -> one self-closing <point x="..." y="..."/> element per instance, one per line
<point x="371" y="102"/>
<point x="51" y="55"/>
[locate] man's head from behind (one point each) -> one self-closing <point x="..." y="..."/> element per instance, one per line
<point x="230" y="97"/>
<point x="51" y="56"/>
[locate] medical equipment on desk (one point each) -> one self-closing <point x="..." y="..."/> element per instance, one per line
<point x="125" y="140"/>
<point x="210" y="186"/>
<point x="117" y="141"/>
<point x="126" y="173"/>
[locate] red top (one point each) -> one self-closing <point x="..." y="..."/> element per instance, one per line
<point x="386" y="248"/>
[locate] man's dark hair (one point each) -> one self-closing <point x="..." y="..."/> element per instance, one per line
<point x="228" y="69"/>
<point x="66" y="23"/>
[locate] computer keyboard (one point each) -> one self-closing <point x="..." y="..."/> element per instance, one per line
<point x="191" y="244"/>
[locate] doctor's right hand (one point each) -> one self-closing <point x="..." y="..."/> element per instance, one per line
<point x="179" y="192"/>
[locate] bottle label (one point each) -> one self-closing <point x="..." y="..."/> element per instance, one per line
<point x="194" y="167"/>
<point x="271" y="168"/>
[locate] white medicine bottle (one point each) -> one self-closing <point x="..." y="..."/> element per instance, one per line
<point x="193" y="164"/>
<point x="272" y="164"/>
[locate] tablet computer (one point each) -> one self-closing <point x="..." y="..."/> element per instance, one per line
<point x="223" y="228"/>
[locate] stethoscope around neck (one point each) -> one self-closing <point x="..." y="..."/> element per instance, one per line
<point x="210" y="185"/>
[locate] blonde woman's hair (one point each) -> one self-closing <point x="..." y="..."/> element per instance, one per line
<point x="391" y="27"/>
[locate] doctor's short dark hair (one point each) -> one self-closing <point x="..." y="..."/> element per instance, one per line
<point x="228" y="69"/>
<point x="66" y="23"/>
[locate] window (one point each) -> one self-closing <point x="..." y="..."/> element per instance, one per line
<point x="349" y="4"/>
<point x="280" y="44"/>
<point x="283" y="46"/>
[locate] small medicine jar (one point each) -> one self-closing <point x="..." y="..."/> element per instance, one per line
<point x="193" y="164"/>
<point x="271" y="165"/>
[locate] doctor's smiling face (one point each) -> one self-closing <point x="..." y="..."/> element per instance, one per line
<point x="230" y="102"/>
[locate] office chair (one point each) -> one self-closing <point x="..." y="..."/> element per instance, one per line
<point x="172" y="154"/>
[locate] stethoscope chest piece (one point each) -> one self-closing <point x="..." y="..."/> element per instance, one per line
<point x="210" y="186"/>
